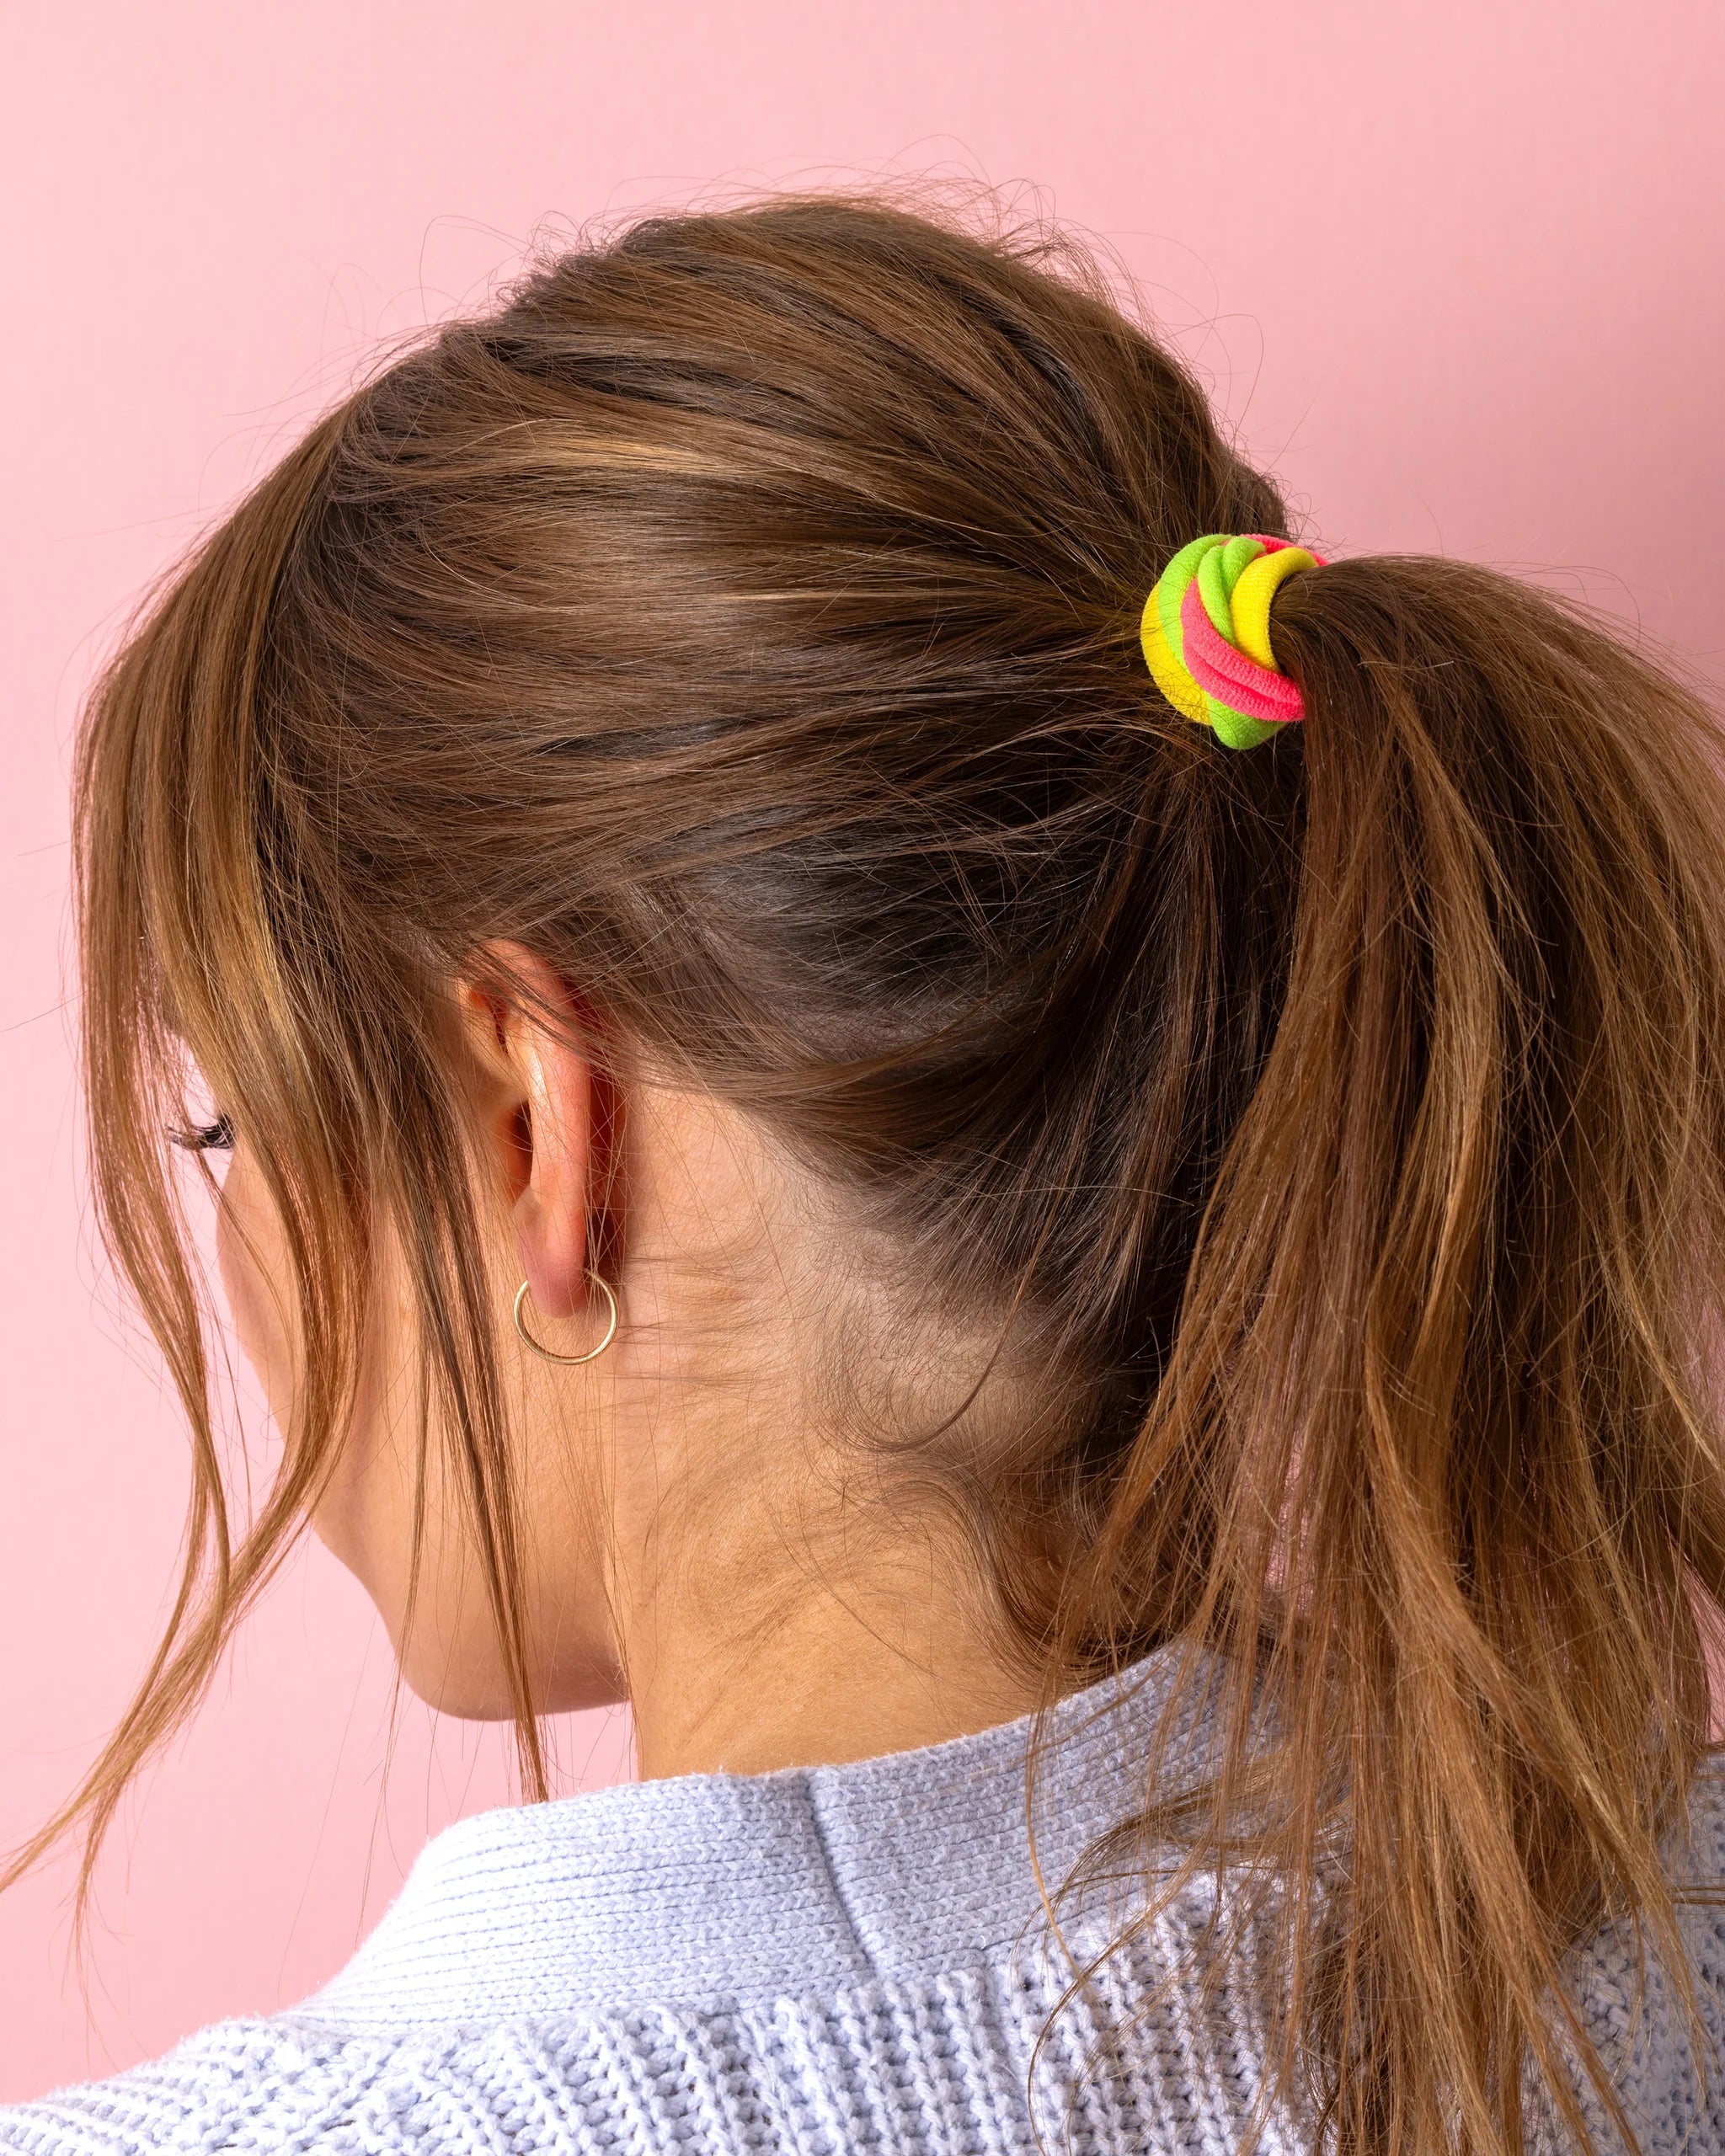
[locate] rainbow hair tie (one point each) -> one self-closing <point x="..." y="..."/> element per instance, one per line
<point x="1206" y="634"/>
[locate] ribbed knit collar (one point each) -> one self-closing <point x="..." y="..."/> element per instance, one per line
<point x="711" y="1887"/>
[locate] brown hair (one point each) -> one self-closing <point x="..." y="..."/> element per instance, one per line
<point x="742" y="615"/>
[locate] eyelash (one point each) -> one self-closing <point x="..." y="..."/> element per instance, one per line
<point x="216" y="1137"/>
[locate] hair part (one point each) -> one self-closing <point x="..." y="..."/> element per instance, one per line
<point x="742" y="616"/>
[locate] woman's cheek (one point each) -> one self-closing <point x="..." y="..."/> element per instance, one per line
<point x="252" y="1259"/>
<point x="363" y="1509"/>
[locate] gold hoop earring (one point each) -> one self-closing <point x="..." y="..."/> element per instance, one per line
<point x="550" y="1354"/>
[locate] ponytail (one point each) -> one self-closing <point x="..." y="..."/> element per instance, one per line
<point x="1433" y="1459"/>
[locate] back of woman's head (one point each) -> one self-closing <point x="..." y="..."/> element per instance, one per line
<point x="744" y="619"/>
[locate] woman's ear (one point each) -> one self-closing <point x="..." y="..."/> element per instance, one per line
<point x="535" y="1088"/>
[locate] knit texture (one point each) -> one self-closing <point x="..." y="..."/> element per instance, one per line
<point x="827" y="1960"/>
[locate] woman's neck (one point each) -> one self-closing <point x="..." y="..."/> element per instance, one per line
<point x="733" y="1671"/>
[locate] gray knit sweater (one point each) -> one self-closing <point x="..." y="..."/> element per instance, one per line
<point x="820" y="1962"/>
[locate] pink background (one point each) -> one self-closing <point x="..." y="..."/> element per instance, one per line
<point x="1454" y="271"/>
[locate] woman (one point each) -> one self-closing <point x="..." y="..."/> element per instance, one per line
<point x="1099" y="1321"/>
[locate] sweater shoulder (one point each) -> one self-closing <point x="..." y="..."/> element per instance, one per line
<point x="984" y="2057"/>
<point x="972" y="2057"/>
<point x="823" y="2075"/>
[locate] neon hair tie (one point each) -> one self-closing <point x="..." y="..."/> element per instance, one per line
<point x="1206" y="634"/>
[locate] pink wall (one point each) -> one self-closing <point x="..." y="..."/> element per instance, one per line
<point x="1455" y="271"/>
